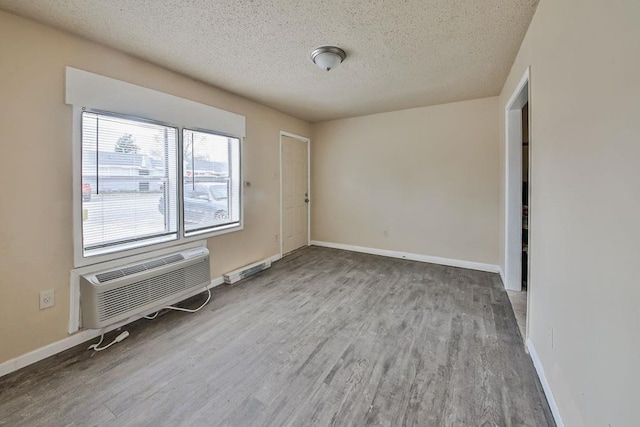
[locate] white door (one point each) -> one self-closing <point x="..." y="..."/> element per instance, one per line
<point x="295" y="194"/>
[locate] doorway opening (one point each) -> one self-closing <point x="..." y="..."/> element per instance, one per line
<point x="525" y="196"/>
<point x="517" y="205"/>
<point x="295" y="194"/>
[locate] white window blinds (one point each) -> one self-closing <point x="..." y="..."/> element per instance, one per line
<point x="129" y="183"/>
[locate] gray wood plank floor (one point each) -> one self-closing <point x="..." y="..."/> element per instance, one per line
<point x="324" y="337"/>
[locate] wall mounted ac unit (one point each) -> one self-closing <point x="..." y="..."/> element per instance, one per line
<point x="110" y="296"/>
<point x="246" y="271"/>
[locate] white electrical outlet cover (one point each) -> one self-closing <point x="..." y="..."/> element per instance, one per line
<point x="47" y="299"/>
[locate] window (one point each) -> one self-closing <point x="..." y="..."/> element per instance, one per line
<point x="129" y="183"/>
<point x="211" y="168"/>
<point x="151" y="170"/>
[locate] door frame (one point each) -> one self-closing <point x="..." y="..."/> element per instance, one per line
<point x="308" y="141"/>
<point x="513" y="185"/>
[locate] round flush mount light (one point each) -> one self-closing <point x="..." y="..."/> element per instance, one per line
<point x="328" y="57"/>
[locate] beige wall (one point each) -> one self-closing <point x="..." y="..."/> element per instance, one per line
<point x="35" y="172"/>
<point x="585" y="190"/>
<point x="427" y="176"/>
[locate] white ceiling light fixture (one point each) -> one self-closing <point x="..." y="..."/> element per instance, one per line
<point x="328" y="57"/>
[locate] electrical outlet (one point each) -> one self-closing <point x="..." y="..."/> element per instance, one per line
<point x="276" y="238"/>
<point x="385" y="233"/>
<point x="47" y="299"/>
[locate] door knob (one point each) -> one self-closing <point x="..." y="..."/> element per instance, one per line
<point x="306" y="200"/>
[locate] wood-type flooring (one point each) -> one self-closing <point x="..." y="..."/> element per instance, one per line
<point x="324" y="337"/>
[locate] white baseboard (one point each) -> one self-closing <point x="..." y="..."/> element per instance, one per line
<point x="46" y="351"/>
<point x="214" y="282"/>
<point x="275" y="258"/>
<point x="501" y="272"/>
<point x="545" y="384"/>
<point x="75" y="339"/>
<point x="412" y="257"/>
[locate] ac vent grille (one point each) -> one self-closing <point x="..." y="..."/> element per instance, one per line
<point x="149" y="265"/>
<point x="128" y="271"/>
<point x="109" y="275"/>
<point x="138" y="268"/>
<point x="173" y="258"/>
<point x="135" y="295"/>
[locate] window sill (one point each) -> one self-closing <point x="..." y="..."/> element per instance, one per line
<point x="106" y="256"/>
<point x="124" y="248"/>
<point x="236" y="226"/>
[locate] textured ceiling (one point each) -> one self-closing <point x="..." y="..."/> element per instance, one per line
<point x="400" y="54"/>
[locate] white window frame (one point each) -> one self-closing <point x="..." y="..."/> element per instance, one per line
<point x="85" y="90"/>
<point x="226" y="228"/>
<point x="152" y="241"/>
